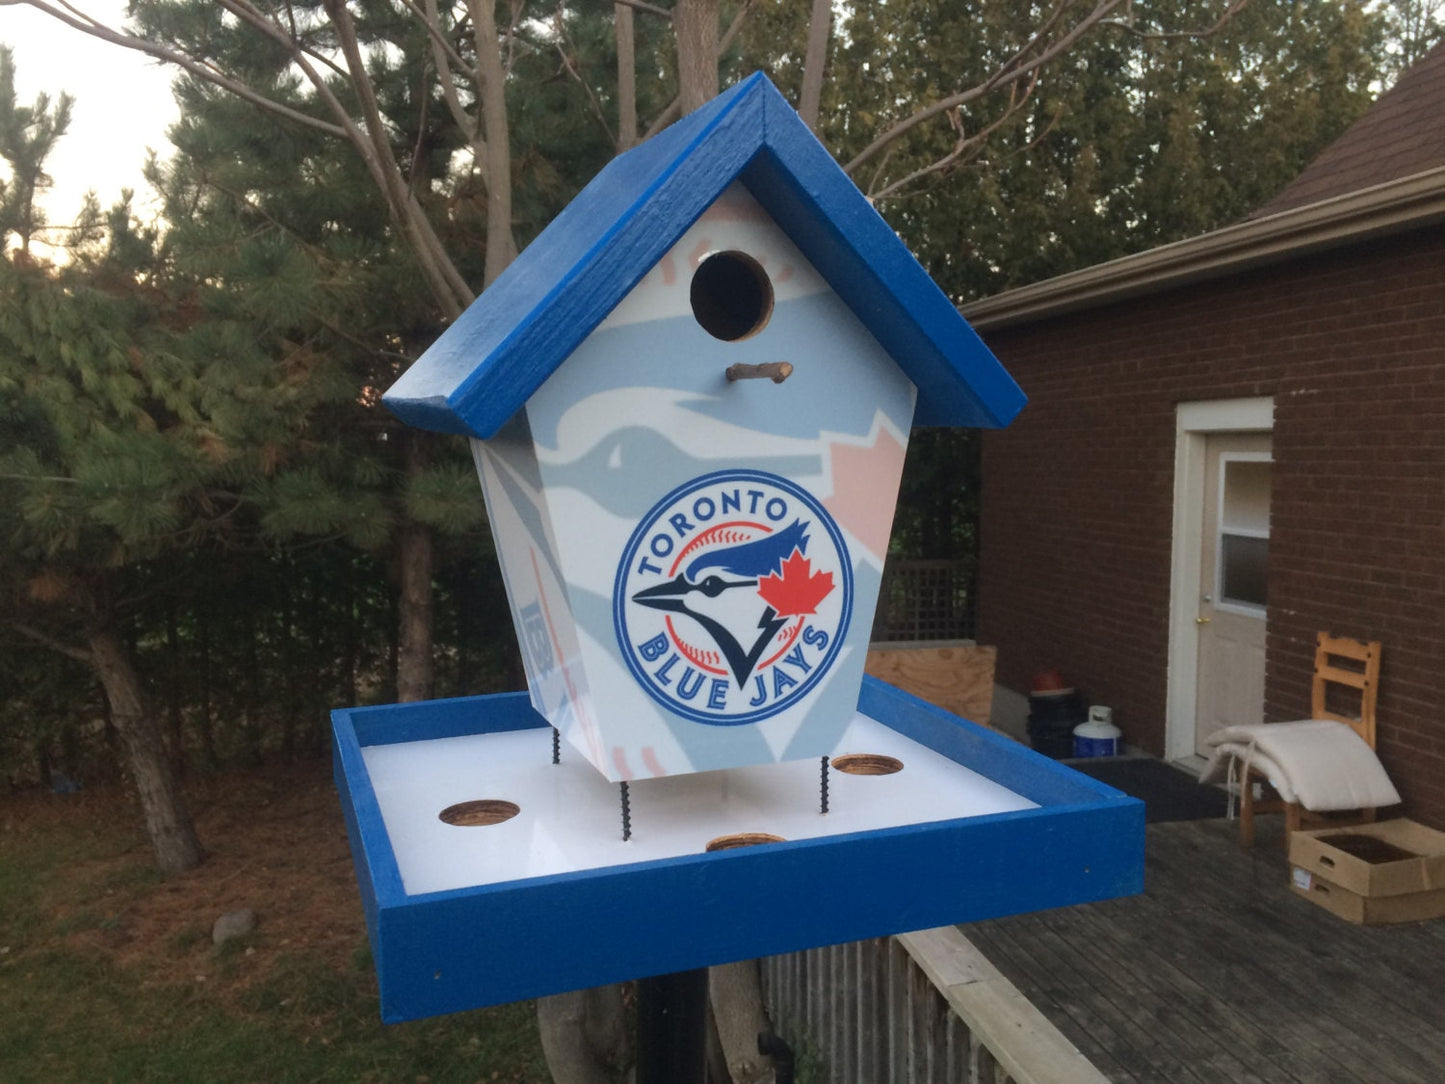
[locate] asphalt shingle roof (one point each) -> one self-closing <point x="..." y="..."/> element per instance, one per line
<point x="1401" y="135"/>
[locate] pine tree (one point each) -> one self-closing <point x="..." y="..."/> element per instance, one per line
<point x="134" y="432"/>
<point x="27" y="136"/>
<point x="99" y="469"/>
<point x="287" y="244"/>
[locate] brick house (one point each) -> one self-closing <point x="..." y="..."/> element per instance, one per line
<point x="1232" y="442"/>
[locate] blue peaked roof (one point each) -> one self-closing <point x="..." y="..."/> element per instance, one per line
<point x="486" y="366"/>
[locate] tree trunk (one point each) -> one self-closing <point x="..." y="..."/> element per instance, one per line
<point x="584" y="1035"/>
<point x="496" y="130"/>
<point x="204" y="720"/>
<point x="251" y="691"/>
<point x="626" y="78"/>
<point x="413" y="655"/>
<point x="44" y="767"/>
<point x="736" y="992"/>
<point x="174" y="717"/>
<point x="168" y="822"/>
<point x="694" y="25"/>
<point x="290" y="706"/>
<point x="414" y="596"/>
<point x="352" y="640"/>
<point x="321" y="661"/>
<point x="820" y="27"/>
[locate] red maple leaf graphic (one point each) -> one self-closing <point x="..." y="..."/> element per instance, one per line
<point x="798" y="590"/>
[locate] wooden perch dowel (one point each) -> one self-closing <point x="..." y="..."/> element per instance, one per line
<point x="776" y="371"/>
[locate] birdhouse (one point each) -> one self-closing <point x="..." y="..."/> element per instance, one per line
<point x="689" y="401"/>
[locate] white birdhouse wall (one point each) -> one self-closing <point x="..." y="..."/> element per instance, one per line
<point x="693" y="562"/>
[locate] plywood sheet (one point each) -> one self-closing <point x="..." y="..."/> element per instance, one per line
<point x="955" y="677"/>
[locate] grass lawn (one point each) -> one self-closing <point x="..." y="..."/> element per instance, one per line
<point x="107" y="971"/>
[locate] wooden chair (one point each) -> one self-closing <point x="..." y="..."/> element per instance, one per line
<point x="1362" y="682"/>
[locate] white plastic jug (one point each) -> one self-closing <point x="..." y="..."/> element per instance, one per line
<point x="1098" y="737"/>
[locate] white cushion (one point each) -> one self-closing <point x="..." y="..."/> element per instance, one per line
<point x="1320" y="764"/>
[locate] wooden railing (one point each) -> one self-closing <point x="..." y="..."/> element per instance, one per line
<point x="920" y="1008"/>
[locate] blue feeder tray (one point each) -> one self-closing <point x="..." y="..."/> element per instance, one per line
<point x="974" y="827"/>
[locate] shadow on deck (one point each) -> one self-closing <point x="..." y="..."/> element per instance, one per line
<point x="1218" y="972"/>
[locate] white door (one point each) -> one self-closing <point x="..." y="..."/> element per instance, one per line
<point x="1233" y="582"/>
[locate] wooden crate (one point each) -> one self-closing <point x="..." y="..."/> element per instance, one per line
<point x="955" y="676"/>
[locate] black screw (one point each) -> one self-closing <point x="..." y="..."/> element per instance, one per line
<point x="626" y="814"/>
<point x="556" y="746"/>
<point x="823" y="803"/>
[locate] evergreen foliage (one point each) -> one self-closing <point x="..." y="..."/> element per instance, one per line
<point x="27" y="136"/>
<point x="193" y="447"/>
<point x="1139" y="138"/>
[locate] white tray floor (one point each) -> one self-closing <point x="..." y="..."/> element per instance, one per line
<point x="571" y="817"/>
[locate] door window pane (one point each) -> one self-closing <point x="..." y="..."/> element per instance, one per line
<point x="1244" y="531"/>
<point x="1243" y="562"/>
<point x="1246" y="495"/>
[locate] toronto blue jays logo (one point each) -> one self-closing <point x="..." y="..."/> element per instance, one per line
<point x="732" y="597"/>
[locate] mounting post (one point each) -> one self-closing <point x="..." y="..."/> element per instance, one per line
<point x="672" y="1028"/>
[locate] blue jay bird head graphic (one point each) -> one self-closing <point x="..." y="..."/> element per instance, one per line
<point x="703" y="594"/>
<point x="759" y="557"/>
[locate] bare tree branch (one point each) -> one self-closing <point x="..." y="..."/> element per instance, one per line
<point x="1163" y="35"/>
<point x="734" y="28"/>
<point x="80" y="654"/>
<point x="291" y="17"/>
<point x="663" y="119"/>
<point x="446" y="58"/>
<point x="371" y="140"/>
<point x="418" y="144"/>
<point x="300" y="55"/>
<point x="289" y="37"/>
<point x="509" y="50"/>
<point x="41" y="478"/>
<point x="1041" y="49"/>
<point x="563" y="45"/>
<point x="431" y="19"/>
<point x="651" y="9"/>
<point x="965" y="145"/>
<point x="86" y="25"/>
<point x="1012" y="70"/>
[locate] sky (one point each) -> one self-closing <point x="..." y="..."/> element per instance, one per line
<point x="122" y="103"/>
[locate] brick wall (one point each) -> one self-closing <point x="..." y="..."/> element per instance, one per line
<point x="1077" y="495"/>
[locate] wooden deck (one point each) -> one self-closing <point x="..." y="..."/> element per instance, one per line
<point x="1218" y="972"/>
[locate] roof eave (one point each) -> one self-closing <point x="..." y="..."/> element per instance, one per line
<point x="459" y="386"/>
<point x="1388" y="208"/>
<point x="868" y="266"/>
